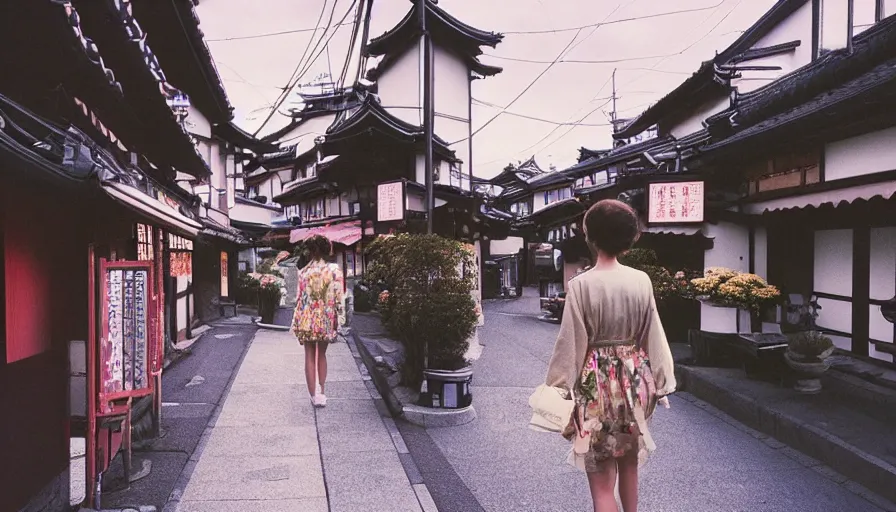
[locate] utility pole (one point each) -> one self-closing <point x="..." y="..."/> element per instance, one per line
<point x="428" y="114"/>
<point x="613" y="114"/>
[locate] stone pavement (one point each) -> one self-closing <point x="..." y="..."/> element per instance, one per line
<point x="269" y="450"/>
<point x="705" y="460"/>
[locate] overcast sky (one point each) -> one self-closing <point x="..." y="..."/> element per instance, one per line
<point x="253" y="69"/>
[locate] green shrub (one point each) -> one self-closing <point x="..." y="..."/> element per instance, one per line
<point x="810" y="344"/>
<point x="429" y="306"/>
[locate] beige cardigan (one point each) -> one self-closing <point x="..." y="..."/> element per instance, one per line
<point x="609" y="305"/>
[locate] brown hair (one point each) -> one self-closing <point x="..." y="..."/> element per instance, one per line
<point x="612" y="226"/>
<point x="318" y="246"/>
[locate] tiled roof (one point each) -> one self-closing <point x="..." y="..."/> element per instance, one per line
<point x="445" y="29"/>
<point x="707" y="77"/>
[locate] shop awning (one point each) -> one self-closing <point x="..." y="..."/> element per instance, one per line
<point x="884" y="190"/>
<point x="146" y="205"/>
<point x="346" y="233"/>
<point x="675" y="230"/>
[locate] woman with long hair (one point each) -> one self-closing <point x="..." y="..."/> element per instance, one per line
<point x="320" y="311"/>
<point x="612" y="354"/>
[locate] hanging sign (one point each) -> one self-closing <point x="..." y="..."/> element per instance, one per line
<point x="390" y="201"/>
<point x="127" y="312"/>
<point x="675" y="202"/>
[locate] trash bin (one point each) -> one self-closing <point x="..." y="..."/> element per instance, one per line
<point x="447" y="389"/>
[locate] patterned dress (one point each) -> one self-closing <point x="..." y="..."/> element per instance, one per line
<point x="320" y="303"/>
<point x="610" y="327"/>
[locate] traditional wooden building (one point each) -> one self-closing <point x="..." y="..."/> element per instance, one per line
<point x="90" y="152"/>
<point x="808" y="164"/>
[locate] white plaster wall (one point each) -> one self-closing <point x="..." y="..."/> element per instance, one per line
<point x="731" y="249"/>
<point x="833" y="274"/>
<point x="866" y="154"/>
<point x="883" y="286"/>
<point x="889" y="7"/>
<point x="796" y="26"/>
<point x="309" y="129"/>
<point x="833" y="262"/>
<point x="694" y="122"/>
<point x="197" y="124"/>
<point x="452" y="101"/>
<point x="399" y="87"/>
<point x="248" y="213"/>
<point x="883" y="263"/>
<point x="760" y="252"/>
<point x="230" y="169"/>
<point x="510" y="245"/>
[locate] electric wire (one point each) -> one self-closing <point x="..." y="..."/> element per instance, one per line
<point x="524" y="91"/>
<point x="359" y="12"/>
<point x="535" y="80"/>
<point x="288" y="87"/>
<point x="292" y="85"/>
<point x="613" y="22"/>
<point x="266" y="34"/>
<point x="524" y="116"/>
<point x="571" y="128"/>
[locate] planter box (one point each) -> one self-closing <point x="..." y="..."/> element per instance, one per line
<point x="446" y="389"/>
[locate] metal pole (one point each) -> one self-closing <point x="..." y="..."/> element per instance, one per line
<point x="428" y="114"/>
<point x="850" y="16"/>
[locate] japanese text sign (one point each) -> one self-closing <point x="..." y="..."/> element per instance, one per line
<point x="675" y="202"/>
<point x="390" y="201"/>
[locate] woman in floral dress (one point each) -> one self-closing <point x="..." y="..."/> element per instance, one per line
<point x="320" y="311"/>
<point x="613" y="355"/>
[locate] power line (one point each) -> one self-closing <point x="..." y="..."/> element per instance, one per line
<point x="695" y="43"/>
<point x="288" y="87"/>
<point x="524" y="116"/>
<point x="624" y="20"/>
<point x="548" y="68"/>
<point x="351" y="46"/>
<point x="267" y="34"/>
<point x="310" y="63"/>
<point x="579" y="61"/>
<point x="520" y="95"/>
<point x="658" y="63"/>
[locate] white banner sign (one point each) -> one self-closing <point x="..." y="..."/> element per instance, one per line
<point x="675" y="202"/>
<point x="390" y="201"/>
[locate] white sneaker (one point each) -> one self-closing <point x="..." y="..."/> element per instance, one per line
<point x="320" y="400"/>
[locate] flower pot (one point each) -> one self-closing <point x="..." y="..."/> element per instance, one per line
<point x="808" y="370"/>
<point x="447" y="389"/>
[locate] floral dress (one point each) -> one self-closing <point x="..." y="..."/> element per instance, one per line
<point x="613" y="354"/>
<point x="320" y="304"/>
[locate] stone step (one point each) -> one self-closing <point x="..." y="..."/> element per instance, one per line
<point x="840" y="434"/>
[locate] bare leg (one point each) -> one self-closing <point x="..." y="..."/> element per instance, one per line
<point x="628" y="481"/>
<point x="603" y="487"/>
<point x="322" y="364"/>
<point x="310" y="370"/>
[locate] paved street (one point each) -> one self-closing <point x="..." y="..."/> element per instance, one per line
<point x="191" y="390"/>
<point x="705" y="461"/>
<point x="269" y="450"/>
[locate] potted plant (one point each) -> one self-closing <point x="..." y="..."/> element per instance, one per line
<point x="269" y="295"/>
<point x="430" y="309"/>
<point x="723" y="287"/>
<point x="807" y="353"/>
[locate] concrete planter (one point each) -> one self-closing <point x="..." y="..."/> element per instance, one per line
<point x="809" y="370"/>
<point x="447" y="389"/>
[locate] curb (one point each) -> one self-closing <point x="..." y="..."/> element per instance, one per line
<point x="866" y="469"/>
<point x="382" y="386"/>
